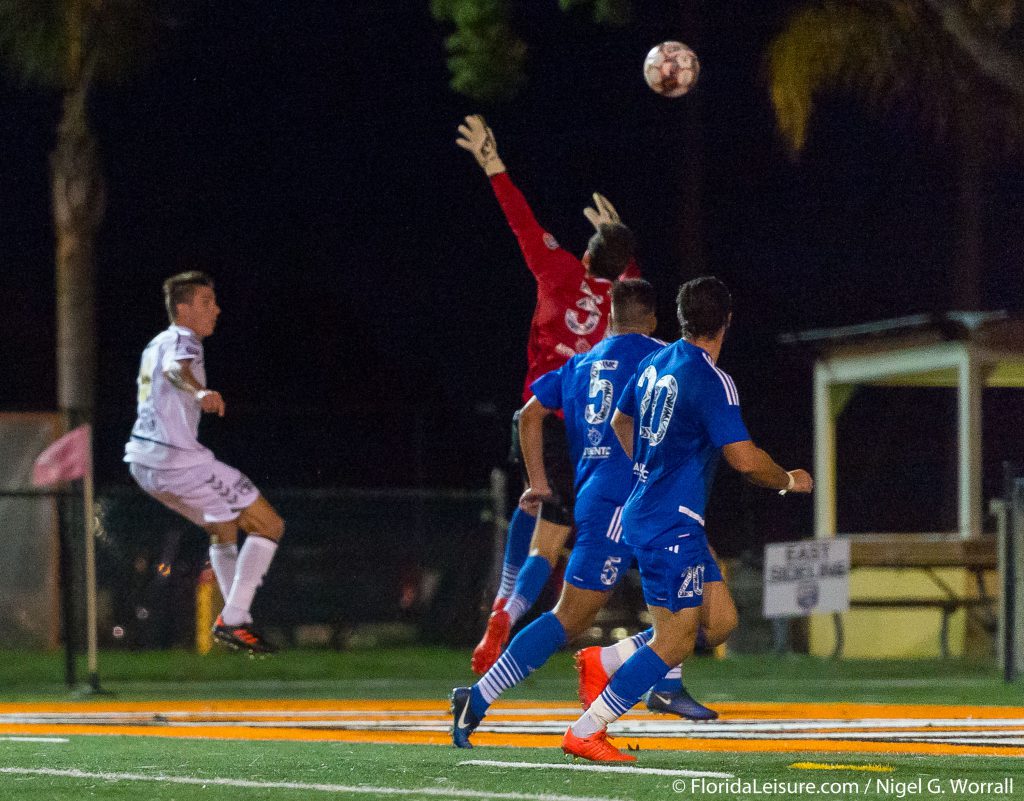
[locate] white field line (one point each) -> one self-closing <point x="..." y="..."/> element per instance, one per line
<point x="694" y="774"/>
<point x="441" y="792"/>
<point x="35" y="739"/>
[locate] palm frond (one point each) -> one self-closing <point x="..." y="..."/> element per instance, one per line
<point x="894" y="55"/>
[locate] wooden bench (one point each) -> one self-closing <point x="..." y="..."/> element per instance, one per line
<point x="927" y="553"/>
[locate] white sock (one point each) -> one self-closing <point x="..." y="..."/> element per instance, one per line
<point x="223" y="557"/>
<point x="253" y="562"/>
<point x="614" y="656"/>
<point x="599" y="715"/>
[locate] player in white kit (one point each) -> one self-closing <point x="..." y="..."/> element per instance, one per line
<point x="167" y="461"/>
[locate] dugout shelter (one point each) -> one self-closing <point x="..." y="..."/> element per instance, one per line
<point x="913" y="594"/>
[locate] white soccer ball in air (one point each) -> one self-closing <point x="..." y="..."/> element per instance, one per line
<point x="671" y="69"/>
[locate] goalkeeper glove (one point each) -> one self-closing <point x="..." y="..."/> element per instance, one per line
<point x="603" y="213"/>
<point x="476" y="137"/>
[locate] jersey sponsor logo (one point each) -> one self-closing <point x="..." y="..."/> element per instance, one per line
<point x="549" y="241"/>
<point x="588" y="304"/>
<point x="602" y="452"/>
<point x="641" y="472"/>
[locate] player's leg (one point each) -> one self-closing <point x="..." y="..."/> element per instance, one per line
<point x="554" y="523"/>
<point x="223" y="539"/>
<point x="545" y="547"/>
<point x="673" y="588"/>
<point x="529" y="650"/>
<point x="517" y="547"/>
<point x="595" y="567"/>
<point x="264" y="528"/>
<point x="520" y="530"/>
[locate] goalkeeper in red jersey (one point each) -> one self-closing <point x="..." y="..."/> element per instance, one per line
<point x="570" y="317"/>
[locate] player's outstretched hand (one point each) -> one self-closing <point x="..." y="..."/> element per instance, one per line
<point x="802" y="481"/>
<point x="603" y="213"/>
<point x="211" y="401"/>
<point x="533" y="497"/>
<point x="476" y="137"/>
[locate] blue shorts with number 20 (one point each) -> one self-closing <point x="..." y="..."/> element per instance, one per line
<point x="674" y="577"/>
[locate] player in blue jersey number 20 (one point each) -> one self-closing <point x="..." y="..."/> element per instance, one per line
<point x="677" y="416"/>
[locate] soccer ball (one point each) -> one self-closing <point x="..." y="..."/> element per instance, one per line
<point x="671" y="69"/>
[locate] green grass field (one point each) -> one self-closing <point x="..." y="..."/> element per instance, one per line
<point x="116" y="767"/>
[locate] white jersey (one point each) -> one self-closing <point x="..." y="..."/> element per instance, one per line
<point x="165" y="435"/>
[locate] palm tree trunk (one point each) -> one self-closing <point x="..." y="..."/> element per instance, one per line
<point x="79" y="200"/>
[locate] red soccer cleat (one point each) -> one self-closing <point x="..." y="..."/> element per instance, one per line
<point x="242" y="638"/>
<point x="490" y="647"/>
<point x="595" y="747"/>
<point x="499" y="604"/>
<point x="593" y="679"/>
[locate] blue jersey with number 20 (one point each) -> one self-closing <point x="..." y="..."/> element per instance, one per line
<point x="587" y="388"/>
<point x="684" y="411"/>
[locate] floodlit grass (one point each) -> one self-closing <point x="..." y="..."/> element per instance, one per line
<point x="117" y="767"/>
<point x="432" y="672"/>
<point x="378" y="770"/>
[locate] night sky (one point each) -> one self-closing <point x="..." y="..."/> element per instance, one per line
<point x="375" y="304"/>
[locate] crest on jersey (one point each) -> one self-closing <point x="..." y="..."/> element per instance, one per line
<point x="594" y="436"/>
<point x="550" y="242"/>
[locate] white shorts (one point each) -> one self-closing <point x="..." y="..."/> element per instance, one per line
<point x="208" y="493"/>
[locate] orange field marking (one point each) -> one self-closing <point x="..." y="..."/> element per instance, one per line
<point x="743" y="727"/>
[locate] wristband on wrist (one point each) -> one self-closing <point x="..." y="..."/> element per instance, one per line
<point x="790" y="485"/>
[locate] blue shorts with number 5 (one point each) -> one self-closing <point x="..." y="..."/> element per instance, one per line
<point x="674" y="577"/>
<point x="599" y="559"/>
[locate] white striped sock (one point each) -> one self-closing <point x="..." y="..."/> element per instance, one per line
<point x="614" y="656"/>
<point x="607" y="708"/>
<point x="516" y="607"/>
<point x="509" y="574"/>
<point x="503" y="674"/>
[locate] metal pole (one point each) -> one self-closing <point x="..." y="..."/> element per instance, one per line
<point x="1009" y="558"/>
<point x="67" y="592"/>
<point x="90" y="581"/>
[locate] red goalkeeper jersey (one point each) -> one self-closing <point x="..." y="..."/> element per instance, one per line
<point x="572" y="308"/>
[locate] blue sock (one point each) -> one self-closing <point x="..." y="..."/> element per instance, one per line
<point x="531" y="581"/>
<point x="517" y="546"/>
<point x="637" y="676"/>
<point x="530" y="649"/>
<point x="628" y="684"/>
<point x="670" y="682"/>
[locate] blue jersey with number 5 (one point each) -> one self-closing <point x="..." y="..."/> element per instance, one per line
<point x="587" y="388"/>
<point x="684" y="411"/>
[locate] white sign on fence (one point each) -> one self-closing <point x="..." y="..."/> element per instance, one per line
<point x="808" y="577"/>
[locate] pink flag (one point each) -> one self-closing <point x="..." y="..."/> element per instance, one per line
<point x="68" y="458"/>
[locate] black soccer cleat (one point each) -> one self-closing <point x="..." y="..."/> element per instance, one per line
<point x="679" y="703"/>
<point x="242" y="638"/>
<point x="463" y="720"/>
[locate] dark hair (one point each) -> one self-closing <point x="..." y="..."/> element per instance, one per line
<point x="181" y="288"/>
<point x="610" y="249"/>
<point x="632" y="300"/>
<point x="703" y="306"/>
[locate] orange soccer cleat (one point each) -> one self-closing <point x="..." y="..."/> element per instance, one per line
<point x="490" y="647"/>
<point x="595" y="747"/>
<point x="593" y="679"/>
